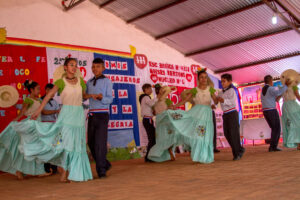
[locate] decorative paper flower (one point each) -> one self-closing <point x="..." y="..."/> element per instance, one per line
<point x="169" y="102"/>
<point x="212" y="90"/>
<point x="193" y="92"/>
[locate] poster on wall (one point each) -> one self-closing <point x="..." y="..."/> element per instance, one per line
<point x="17" y="64"/>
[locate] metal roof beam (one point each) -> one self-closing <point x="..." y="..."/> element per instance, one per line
<point x="106" y="3"/>
<point x="72" y="4"/>
<point x="277" y="12"/>
<point x="259" y="62"/>
<point x="156" y="10"/>
<point x="209" y="20"/>
<point x="255" y="37"/>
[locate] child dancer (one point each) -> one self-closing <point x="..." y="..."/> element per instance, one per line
<point x="268" y="100"/>
<point x="227" y="98"/>
<point x="64" y="142"/>
<point x="147" y="114"/>
<point x="291" y="118"/>
<point x="99" y="92"/>
<point x="12" y="159"/>
<point x="165" y="140"/>
<point x="49" y="114"/>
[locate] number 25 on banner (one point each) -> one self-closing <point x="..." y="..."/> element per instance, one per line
<point x="140" y="60"/>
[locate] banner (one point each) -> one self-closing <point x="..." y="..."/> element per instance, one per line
<point x="18" y="63"/>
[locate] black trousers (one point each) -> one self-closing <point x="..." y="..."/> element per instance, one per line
<point x="215" y="129"/>
<point x="231" y="129"/>
<point x="48" y="167"/>
<point x="150" y="129"/>
<point x="272" y="117"/>
<point x="97" y="140"/>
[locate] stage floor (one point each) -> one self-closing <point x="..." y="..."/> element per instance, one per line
<point x="259" y="175"/>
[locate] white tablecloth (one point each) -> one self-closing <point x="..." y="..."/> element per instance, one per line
<point x="255" y="129"/>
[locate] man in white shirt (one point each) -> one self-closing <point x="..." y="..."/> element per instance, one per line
<point x="147" y="114"/>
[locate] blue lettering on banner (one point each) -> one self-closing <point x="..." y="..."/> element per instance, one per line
<point x="123" y="110"/>
<point x="1" y="72"/>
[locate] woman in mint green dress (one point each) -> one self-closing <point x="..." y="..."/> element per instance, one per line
<point x="11" y="156"/>
<point x="193" y="128"/>
<point x="291" y="118"/>
<point x="62" y="143"/>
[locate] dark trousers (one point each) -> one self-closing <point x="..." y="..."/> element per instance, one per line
<point x="231" y="129"/>
<point x="48" y="168"/>
<point x="215" y="129"/>
<point x="272" y="117"/>
<point x="150" y="129"/>
<point x="97" y="140"/>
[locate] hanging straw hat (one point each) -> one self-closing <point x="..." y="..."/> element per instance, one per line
<point x="60" y="72"/>
<point x="9" y="96"/>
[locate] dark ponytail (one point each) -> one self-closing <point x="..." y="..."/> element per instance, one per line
<point x="67" y="60"/>
<point x="29" y="84"/>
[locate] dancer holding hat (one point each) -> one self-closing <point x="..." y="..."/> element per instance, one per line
<point x="12" y="159"/>
<point x="62" y="143"/>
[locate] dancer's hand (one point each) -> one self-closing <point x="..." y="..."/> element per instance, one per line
<point x="99" y="96"/>
<point x="220" y="99"/>
<point x="35" y="115"/>
<point x="288" y="82"/>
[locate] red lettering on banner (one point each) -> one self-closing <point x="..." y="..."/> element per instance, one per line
<point x="83" y="71"/>
<point x="124" y="66"/>
<point x="119" y="65"/>
<point x="106" y="64"/>
<point x="123" y="94"/>
<point x="114" y="109"/>
<point x="120" y="124"/>
<point x="127" y="109"/>
<point x="113" y="65"/>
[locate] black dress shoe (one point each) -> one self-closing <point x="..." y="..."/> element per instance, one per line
<point x="102" y="176"/>
<point x="236" y="158"/>
<point x="242" y="151"/>
<point x="274" y="149"/>
<point x="217" y="151"/>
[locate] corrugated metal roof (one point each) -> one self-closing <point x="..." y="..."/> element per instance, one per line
<point x="258" y="72"/>
<point x="260" y="49"/>
<point x="238" y="26"/>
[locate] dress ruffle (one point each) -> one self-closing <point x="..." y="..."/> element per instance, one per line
<point x="194" y="129"/>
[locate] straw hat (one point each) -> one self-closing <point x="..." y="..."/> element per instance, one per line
<point x="60" y="72"/>
<point x="9" y="96"/>
<point x="291" y="75"/>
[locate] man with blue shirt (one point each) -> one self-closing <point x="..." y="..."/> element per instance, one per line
<point x="268" y="100"/>
<point x="99" y="93"/>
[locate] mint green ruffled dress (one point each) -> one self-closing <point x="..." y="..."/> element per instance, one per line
<point x="11" y="155"/>
<point x="290" y="119"/>
<point x="62" y="143"/>
<point x="193" y="129"/>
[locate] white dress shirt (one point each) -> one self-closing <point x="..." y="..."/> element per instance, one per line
<point x="146" y="106"/>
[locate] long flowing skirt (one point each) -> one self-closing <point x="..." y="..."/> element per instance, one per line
<point x="62" y="143"/>
<point x="291" y="124"/>
<point x="193" y="129"/>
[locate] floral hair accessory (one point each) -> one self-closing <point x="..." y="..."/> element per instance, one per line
<point x="157" y="85"/>
<point x="201" y="70"/>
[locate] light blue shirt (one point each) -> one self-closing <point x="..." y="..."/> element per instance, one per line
<point x="54" y="106"/>
<point x="269" y="100"/>
<point x="104" y="86"/>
